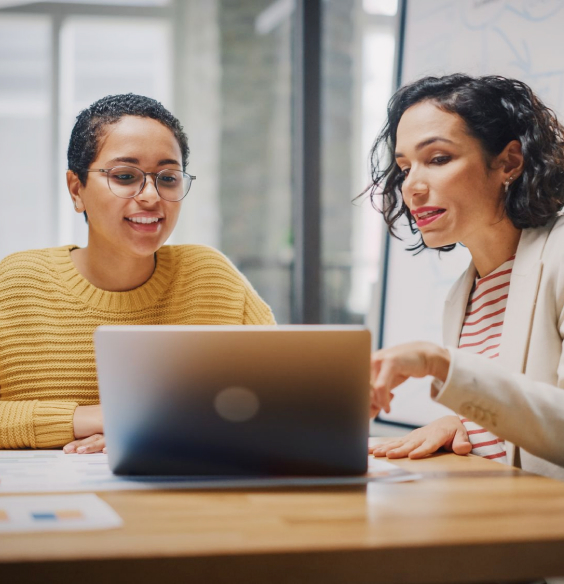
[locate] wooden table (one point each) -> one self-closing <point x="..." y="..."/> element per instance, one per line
<point x="467" y="520"/>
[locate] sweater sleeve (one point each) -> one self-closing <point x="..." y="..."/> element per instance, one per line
<point x="256" y="310"/>
<point x="36" y="424"/>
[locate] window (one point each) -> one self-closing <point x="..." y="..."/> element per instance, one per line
<point x="224" y="67"/>
<point x="27" y="219"/>
<point x="357" y="73"/>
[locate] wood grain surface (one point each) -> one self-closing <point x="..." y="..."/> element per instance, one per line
<point x="466" y="520"/>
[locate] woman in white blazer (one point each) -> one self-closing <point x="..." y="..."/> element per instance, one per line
<point x="480" y="161"/>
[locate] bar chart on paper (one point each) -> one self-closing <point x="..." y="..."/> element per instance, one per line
<point x="56" y="513"/>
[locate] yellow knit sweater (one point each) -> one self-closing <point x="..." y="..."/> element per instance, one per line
<point x="48" y="313"/>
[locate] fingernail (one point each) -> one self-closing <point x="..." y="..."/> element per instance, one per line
<point x="81" y="449"/>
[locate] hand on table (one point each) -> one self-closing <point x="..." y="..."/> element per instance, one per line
<point x="88" y="428"/>
<point x="391" y="367"/>
<point x="90" y="445"/>
<point x="448" y="433"/>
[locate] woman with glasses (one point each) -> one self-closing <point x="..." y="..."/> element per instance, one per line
<point x="480" y="161"/>
<point x="127" y="161"/>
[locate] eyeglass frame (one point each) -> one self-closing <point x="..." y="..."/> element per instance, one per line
<point x="155" y="174"/>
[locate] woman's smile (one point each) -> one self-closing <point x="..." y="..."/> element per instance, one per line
<point x="145" y="223"/>
<point x="425" y="215"/>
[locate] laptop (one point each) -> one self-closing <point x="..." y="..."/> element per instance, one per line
<point x="235" y="400"/>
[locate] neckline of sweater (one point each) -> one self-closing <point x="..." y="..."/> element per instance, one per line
<point x="128" y="301"/>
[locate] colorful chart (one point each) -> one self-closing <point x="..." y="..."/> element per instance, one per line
<point x="56" y="513"/>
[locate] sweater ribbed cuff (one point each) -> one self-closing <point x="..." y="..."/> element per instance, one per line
<point x="16" y="424"/>
<point x="53" y="423"/>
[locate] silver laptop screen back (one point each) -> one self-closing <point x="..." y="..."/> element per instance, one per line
<point x="217" y="400"/>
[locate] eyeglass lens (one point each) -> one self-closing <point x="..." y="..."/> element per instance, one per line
<point x="126" y="182"/>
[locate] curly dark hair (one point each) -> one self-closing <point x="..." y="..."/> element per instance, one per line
<point x="496" y="111"/>
<point x="90" y="124"/>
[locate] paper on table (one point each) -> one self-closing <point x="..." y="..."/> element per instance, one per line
<point x="56" y="513"/>
<point x="44" y="471"/>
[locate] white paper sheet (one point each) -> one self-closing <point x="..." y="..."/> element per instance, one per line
<point x="52" y="471"/>
<point x="56" y="513"/>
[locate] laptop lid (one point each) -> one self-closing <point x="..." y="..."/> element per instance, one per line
<point x="235" y="400"/>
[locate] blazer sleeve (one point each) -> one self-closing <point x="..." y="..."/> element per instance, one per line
<point x="512" y="406"/>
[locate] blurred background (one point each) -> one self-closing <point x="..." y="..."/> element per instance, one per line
<point x="227" y="69"/>
<point x="281" y="100"/>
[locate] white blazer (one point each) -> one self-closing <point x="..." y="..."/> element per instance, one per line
<point x="520" y="396"/>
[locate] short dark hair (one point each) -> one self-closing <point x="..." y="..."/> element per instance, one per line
<point x="496" y="111"/>
<point x="90" y="124"/>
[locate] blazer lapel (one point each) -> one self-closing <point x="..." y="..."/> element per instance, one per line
<point x="455" y="307"/>
<point x="521" y="302"/>
<point x="523" y="290"/>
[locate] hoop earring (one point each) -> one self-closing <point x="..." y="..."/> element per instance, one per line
<point x="74" y="203"/>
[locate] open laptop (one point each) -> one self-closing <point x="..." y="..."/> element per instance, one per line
<point x="234" y="400"/>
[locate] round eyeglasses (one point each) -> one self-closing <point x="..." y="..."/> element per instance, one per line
<point x="127" y="182"/>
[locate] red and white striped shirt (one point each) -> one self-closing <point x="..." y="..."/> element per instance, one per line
<point x="481" y="334"/>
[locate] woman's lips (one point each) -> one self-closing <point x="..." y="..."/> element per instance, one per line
<point x="428" y="216"/>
